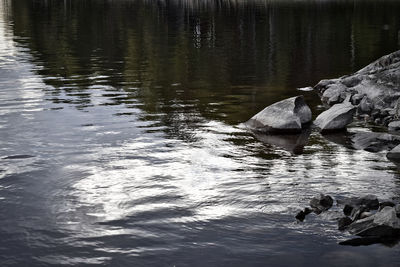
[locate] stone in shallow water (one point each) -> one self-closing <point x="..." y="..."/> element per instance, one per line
<point x="335" y="118"/>
<point x="286" y="116"/>
<point x="321" y="203"/>
<point x="344" y="222"/>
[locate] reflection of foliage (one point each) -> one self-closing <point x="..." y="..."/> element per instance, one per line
<point x="201" y="52"/>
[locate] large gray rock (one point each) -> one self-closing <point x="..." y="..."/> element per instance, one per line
<point x="286" y="116"/>
<point x="335" y="118"/>
<point x="378" y="83"/>
<point x="394" y="126"/>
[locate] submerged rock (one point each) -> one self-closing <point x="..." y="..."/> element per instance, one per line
<point x="321" y="203"/>
<point x="286" y="116"/>
<point x="335" y="118"/>
<point x="344" y="222"/>
<point x="294" y="143"/>
<point x="374" y="142"/>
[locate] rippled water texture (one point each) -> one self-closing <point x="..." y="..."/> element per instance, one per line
<point x="120" y="137"/>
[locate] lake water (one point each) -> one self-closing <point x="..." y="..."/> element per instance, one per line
<point x="120" y="136"/>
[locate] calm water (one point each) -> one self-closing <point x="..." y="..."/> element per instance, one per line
<point x="120" y="137"/>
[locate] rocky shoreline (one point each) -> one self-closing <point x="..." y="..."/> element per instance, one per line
<point x="372" y="220"/>
<point x="373" y="90"/>
<point x="371" y="94"/>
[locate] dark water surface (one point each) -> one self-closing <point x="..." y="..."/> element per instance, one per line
<point x="120" y="142"/>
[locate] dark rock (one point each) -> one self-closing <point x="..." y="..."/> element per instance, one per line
<point x="321" y="203"/>
<point x="344" y="222"/>
<point x="394" y="154"/>
<point x="356" y="212"/>
<point x="301" y="216"/>
<point x="307" y="211"/>
<point x="286" y="116"/>
<point x="335" y="118"/>
<point x="371" y="202"/>
<point x="379" y="231"/>
<point x="354" y="204"/>
<point x="347" y="210"/>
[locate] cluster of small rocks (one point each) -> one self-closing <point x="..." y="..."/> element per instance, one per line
<point x="373" y="221"/>
<point x="374" y="90"/>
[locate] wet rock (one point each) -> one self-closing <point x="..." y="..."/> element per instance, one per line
<point x="366" y="214"/>
<point x="374" y="142"/>
<point x="307" y="211"/>
<point x="344" y="222"/>
<point x="394" y="154"/>
<point x="356" y="99"/>
<point x="394" y="126"/>
<point x="360" y="225"/>
<point x="384" y="223"/>
<point x="351" y="81"/>
<point x="378" y="83"/>
<point x="356" y="213"/>
<point x="321" y="203"/>
<point x="323" y="84"/>
<point x="301" y="215"/>
<point x="387" y="216"/>
<point x="366" y="105"/>
<point x="379" y="231"/>
<point x="286" y="116"/>
<point x="386" y="204"/>
<point x="332" y="95"/>
<point x="335" y="118"/>
<point x="347" y="210"/>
